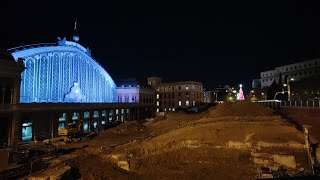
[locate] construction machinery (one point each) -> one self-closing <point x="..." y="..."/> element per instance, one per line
<point x="72" y="130"/>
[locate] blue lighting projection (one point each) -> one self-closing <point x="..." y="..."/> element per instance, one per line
<point x="63" y="72"/>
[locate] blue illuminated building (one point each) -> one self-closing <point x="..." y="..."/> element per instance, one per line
<point x="63" y="72"/>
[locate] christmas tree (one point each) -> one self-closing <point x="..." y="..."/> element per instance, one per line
<point x="240" y="96"/>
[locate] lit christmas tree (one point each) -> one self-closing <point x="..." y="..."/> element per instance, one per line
<point x="240" y="94"/>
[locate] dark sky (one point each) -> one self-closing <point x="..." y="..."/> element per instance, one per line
<point x="215" y="43"/>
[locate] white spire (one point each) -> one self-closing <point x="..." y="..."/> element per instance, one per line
<point x="75" y="26"/>
<point x="75" y="37"/>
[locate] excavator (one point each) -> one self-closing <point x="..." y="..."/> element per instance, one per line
<point x="72" y="130"/>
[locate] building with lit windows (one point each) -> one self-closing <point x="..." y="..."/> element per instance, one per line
<point x="170" y="96"/>
<point x="296" y="72"/>
<point x="217" y="94"/>
<point x="48" y="86"/>
<point x="129" y="91"/>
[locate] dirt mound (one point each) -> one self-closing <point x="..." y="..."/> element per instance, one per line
<point x="127" y="128"/>
<point x="216" y="150"/>
<point x="240" y="108"/>
<point x="92" y="167"/>
<point x="159" y="118"/>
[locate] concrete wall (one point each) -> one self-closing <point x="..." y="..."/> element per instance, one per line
<point x="308" y="116"/>
<point x="44" y="118"/>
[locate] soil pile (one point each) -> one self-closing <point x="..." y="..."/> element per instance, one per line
<point x="217" y="150"/>
<point x="127" y="128"/>
<point x="240" y="108"/>
<point x="92" y="167"/>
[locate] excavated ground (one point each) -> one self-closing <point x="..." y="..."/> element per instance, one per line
<point x="221" y="143"/>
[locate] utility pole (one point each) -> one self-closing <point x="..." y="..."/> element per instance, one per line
<point x="216" y="96"/>
<point x="289" y="93"/>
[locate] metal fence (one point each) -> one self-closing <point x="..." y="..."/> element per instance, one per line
<point x="296" y="103"/>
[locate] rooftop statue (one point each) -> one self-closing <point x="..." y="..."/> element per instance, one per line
<point x="62" y="42"/>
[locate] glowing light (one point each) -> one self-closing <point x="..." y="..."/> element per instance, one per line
<point x="51" y="71"/>
<point x="240" y="95"/>
<point x="292" y="79"/>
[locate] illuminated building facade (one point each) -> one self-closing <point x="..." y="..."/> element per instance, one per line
<point x="129" y="91"/>
<point x="57" y="84"/>
<point x="63" y="72"/>
<point x="171" y="96"/>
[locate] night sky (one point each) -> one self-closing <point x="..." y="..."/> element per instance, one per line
<point x="214" y="43"/>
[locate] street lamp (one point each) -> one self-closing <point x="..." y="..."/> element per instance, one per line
<point x="263" y="95"/>
<point x="288" y="87"/>
<point x="278" y="93"/>
<point x="216" y="96"/>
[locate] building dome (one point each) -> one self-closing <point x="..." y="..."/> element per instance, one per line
<point x="5" y="55"/>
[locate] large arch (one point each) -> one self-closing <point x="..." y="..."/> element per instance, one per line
<point x="63" y="72"/>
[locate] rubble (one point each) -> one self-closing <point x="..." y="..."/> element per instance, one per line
<point x="240" y="108"/>
<point x="216" y="144"/>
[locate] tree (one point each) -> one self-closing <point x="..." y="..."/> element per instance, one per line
<point x="273" y="89"/>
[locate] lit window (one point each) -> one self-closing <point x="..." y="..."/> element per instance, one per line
<point x="86" y="114"/>
<point x="86" y="126"/>
<point x="157" y="103"/>
<point x="165" y="109"/>
<point x="173" y="109"/>
<point x="187" y="103"/>
<point x="95" y="125"/>
<point x="169" y="109"/>
<point x="157" y="96"/>
<point x="157" y="109"/>
<point x="193" y="103"/>
<point x="187" y="87"/>
<point x="27" y="131"/>
<point x="179" y="103"/>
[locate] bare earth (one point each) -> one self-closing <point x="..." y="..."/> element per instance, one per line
<point x="221" y="143"/>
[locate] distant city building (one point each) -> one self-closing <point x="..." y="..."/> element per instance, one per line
<point x="170" y="96"/>
<point x="217" y="94"/>
<point x="129" y="91"/>
<point x="256" y="84"/>
<point x="296" y="72"/>
<point x="208" y="96"/>
<point x="10" y="78"/>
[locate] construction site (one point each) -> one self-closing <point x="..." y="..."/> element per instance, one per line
<point x="240" y="140"/>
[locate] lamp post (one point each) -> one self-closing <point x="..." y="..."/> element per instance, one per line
<point x="263" y="96"/>
<point x="216" y="94"/>
<point x="278" y="93"/>
<point x="288" y="87"/>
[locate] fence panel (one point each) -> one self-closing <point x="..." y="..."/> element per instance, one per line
<point x="295" y="103"/>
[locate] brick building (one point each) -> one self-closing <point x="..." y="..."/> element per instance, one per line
<point x="170" y="96"/>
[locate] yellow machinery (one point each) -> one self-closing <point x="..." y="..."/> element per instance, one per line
<point x="69" y="131"/>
